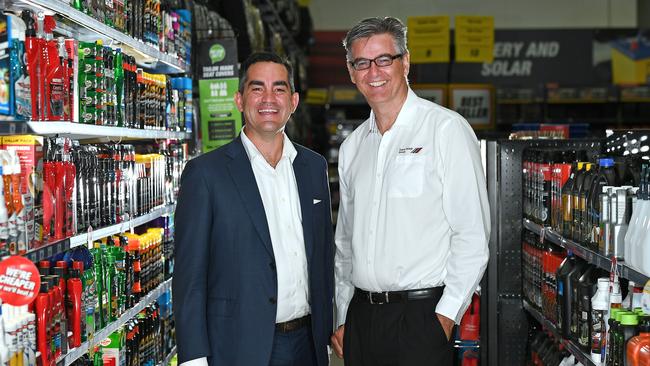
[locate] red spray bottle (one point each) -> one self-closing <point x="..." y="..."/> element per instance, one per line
<point x="42" y="304"/>
<point x="74" y="306"/>
<point x="32" y="55"/>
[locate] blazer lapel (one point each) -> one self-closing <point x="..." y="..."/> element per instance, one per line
<point x="303" y="180"/>
<point x="242" y="173"/>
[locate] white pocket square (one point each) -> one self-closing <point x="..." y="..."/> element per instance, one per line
<point x="316" y="201"/>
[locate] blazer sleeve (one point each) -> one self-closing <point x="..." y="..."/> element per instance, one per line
<point x="192" y="222"/>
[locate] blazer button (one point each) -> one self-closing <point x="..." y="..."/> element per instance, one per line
<point x="272" y="300"/>
<point x="272" y="265"/>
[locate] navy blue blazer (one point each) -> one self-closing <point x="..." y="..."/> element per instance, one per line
<point x="225" y="281"/>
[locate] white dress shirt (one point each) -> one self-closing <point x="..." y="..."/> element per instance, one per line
<point x="279" y="192"/>
<point x="413" y="209"/>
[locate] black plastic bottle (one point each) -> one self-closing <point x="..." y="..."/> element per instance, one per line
<point x="587" y="287"/>
<point x="567" y="201"/>
<point x="606" y="177"/>
<point x="574" y="282"/>
<point x="564" y="291"/>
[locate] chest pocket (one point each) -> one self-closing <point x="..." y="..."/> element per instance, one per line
<point x="407" y="176"/>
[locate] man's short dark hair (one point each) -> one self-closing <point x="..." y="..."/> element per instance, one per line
<point x="264" y="57"/>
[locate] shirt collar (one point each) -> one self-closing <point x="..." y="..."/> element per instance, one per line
<point x="288" y="150"/>
<point x="404" y="117"/>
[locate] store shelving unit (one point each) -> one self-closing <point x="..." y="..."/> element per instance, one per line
<point x="85" y="27"/>
<point x="80" y="131"/>
<point x="50" y="249"/>
<point x="571" y="346"/>
<point x="75" y="353"/>
<point x="589" y="255"/>
<point x="169" y="357"/>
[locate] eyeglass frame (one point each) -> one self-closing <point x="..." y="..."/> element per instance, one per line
<point x="370" y="61"/>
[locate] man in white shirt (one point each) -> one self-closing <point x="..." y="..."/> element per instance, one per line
<point x="253" y="279"/>
<point x="413" y="224"/>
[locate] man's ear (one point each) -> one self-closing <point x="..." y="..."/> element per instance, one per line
<point x="406" y="61"/>
<point x="351" y="72"/>
<point x="239" y="101"/>
<point x="295" y="98"/>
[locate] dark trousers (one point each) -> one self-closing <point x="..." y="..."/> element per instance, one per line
<point x="294" y="348"/>
<point x="395" y="334"/>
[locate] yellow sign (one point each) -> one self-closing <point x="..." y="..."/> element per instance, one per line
<point x="474" y="38"/>
<point x="428" y="39"/>
<point x="317" y="96"/>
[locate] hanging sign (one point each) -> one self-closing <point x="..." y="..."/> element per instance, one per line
<point x="474" y="38"/>
<point x="19" y="281"/>
<point x="219" y="81"/>
<point x="428" y="39"/>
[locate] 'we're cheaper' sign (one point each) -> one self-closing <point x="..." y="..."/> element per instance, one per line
<point x="19" y="281"/>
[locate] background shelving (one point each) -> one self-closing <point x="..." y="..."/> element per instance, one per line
<point x="587" y="254"/>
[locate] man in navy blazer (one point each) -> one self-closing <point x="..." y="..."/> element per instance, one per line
<point x="253" y="277"/>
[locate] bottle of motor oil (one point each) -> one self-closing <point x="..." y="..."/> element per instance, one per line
<point x="582" y="185"/>
<point x="574" y="285"/>
<point x="564" y="291"/>
<point x="567" y="200"/>
<point x="636" y="344"/>
<point x="605" y="177"/>
<point x="587" y="287"/>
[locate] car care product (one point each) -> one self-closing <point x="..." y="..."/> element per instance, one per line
<point x="599" y="307"/>
<point x="629" y="324"/>
<point x="574" y="282"/>
<point x="49" y="59"/>
<point x="606" y="177"/>
<point x="619" y="207"/>
<point x="41" y="306"/>
<point x="118" y="71"/>
<point x="32" y="64"/>
<point x="74" y="307"/>
<point x="57" y="85"/>
<point x="577" y="203"/>
<point x="19" y="93"/>
<point x="564" y="292"/>
<point x="567" y="199"/>
<point x="635" y="344"/>
<point x="587" y="287"/>
<point x="4" y="219"/>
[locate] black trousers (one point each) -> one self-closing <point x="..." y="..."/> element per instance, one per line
<point x="395" y="334"/>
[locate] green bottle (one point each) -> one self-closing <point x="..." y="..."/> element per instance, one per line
<point x="111" y="289"/>
<point x="100" y="290"/>
<point x="628" y="329"/>
<point x="119" y="86"/>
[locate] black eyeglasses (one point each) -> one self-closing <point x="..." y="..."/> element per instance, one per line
<point x="380" y="61"/>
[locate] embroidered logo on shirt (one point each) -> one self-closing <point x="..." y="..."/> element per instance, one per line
<point x="410" y="150"/>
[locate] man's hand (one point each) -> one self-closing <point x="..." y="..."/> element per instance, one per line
<point x="337" y="341"/>
<point x="447" y="325"/>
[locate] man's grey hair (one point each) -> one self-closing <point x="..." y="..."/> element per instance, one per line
<point x="373" y="26"/>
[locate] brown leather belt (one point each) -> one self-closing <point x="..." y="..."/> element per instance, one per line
<point x="291" y="325"/>
<point x="387" y="297"/>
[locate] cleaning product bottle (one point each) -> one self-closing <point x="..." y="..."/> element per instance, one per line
<point x="599" y="306"/>
<point x="587" y="287"/>
<point x="42" y="304"/>
<point x="619" y="208"/>
<point x="32" y="64"/>
<point x="49" y="61"/>
<point x="605" y="177"/>
<point x="75" y="307"/>
<point x="643" y="239"/>
<point x="57" y="84"/>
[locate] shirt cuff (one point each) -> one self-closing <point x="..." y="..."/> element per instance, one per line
<point x="203" y="361"/>
<point x="449" y="307"/>
<point x="341" y="312"/>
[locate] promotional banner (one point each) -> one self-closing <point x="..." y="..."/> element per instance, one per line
<point x="218" y="84"/>
<point x="19" y="281"/>
<point x="474" y="102"/>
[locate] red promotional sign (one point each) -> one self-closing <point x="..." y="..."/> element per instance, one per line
<point x="19" y="281"/>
